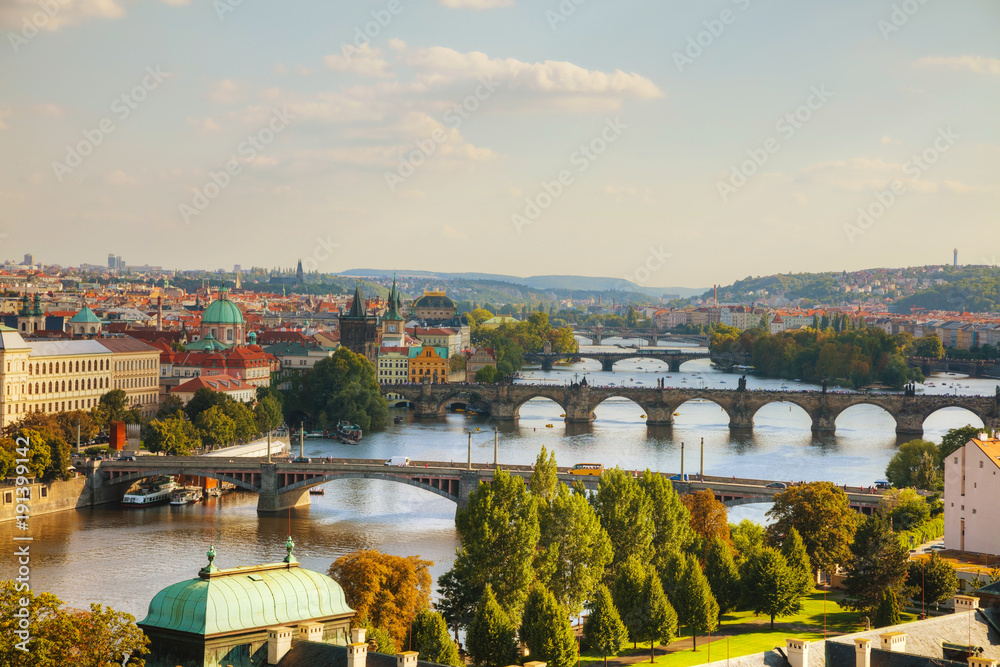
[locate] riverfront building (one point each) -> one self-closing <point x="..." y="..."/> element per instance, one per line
<point x="136" y="371"/>
<point x="971" y="484"/>
<point x="428" y="362"/>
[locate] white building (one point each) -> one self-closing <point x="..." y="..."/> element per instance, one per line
<point x="971" y="485"/>
<point x="393" y="365"/>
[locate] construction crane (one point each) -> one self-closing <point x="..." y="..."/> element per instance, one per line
<point x="914" y="309"/>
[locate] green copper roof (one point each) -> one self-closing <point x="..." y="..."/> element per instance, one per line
<point x="222" y="311"/>
<point x="393" y="314"/>
<point x="85" y="316"/>
<point x="242" y="599"/>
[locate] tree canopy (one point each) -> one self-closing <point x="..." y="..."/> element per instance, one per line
<point x="341" y="387"/>
<point x="429" y="637"/>
<point x="821" y="514"/>
<point x="546" y="630"/>
<point x="770" y="585"/>
<point x="626" y="513"/>
<point x="603" y="629"/>
<point x="490" y="639"/>
<point x="878" y="563"/>
<point x="915" y="464"/>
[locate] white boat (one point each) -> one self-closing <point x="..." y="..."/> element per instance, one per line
<point x="150" y="494"/>
<point x="185" y="496"/>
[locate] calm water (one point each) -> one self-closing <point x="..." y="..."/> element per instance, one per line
<point x="123" y="557"/>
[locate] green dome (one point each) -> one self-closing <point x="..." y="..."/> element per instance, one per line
<point x="222" y="311"/>
<point x="242" y="599"/>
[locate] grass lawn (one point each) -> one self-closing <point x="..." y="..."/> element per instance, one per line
<point x="748" y="635"/>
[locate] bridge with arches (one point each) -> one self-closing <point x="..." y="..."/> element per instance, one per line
<point x="660" y="404"/>
<point x="598" y="334"/>
<point x="672" y="358"/>
<point x="281" y="486"/>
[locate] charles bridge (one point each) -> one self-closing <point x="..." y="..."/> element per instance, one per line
<point x="659" y="404"/>
<point x="598" y="334"/>
<point x="673" y="358"/>
<point x="281" y="486"/>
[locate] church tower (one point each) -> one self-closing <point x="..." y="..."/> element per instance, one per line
<point x="359" y="330"/>
<point x="393" y="332"/>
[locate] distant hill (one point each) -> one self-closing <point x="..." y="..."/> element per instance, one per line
<point x="570" y="283"/>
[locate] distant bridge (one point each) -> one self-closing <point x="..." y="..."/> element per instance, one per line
<point x="608" y="360"/>
<point x="975" y="367"/>
<point x="598" y="334"/>
<point x="659" y="405"/>
<point x="281" y="486"/>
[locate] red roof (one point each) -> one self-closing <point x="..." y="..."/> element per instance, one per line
<point x="226" y="383"/>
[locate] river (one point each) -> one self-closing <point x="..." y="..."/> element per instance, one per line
<point x="123" y="557"/>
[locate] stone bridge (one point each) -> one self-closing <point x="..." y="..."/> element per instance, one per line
<point x="659" y="405"/>
<point x="975" y="367"/>
<point x="286" y="485"/>
<point x="598" y="334"/>
<point x="608" y="360"/>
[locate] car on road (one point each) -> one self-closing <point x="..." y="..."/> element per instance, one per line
<point x="777" y="485"/>
<point x="587" y="469"/>
<point x="127" y="458"/>
<point x="300" y="459"/>
<point x="882" y="485"/>
<point x="936" y="547"/>
<point x="678" y="478"/>
<point x="399" y="461"/>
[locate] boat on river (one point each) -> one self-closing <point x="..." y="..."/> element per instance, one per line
<point x="185" y="496"/>
<point x="349" y="434"/>
<point x="151" y="493"/>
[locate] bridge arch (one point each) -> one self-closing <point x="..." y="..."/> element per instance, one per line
<point x="952" y="416"/>
<point x="132" y="478"/>
<point x="539" y="394"/>
<point x="697" y="404"/>
<point x="639" y="410"/>
<point x="462" y="396"/>
<point x="862" y="416"/>
<point x="773" y="407"/>
<point x="386" y="477"/>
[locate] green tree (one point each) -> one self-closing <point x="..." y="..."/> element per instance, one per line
<point x="215" y="427"/>
<point x="929" y="347"/>
<point x="244" y="421"/>
<point x="723" y="576"/>
<point x="546" y="630"/>
<point x="490" y="639"/>
<point x="747" y="537"/>
<point x="267" y="413"/>
<point x="672" y="525"/>
<point x="429" y="637"/>
<point x="171" y="405"/>
<point x="487" y="375"/>
<point x="626" y="592"/>
<point x="499" y="532"/>
<point x="955" y="439"/>
<point x="384" y="641"/>
<point x="626" y="513"/>
<point x="693" y="601"/>
<point x="878" y="564"/>
<point x="174" y="436"/>
<point x="770" y="585"/>
<point x="934" y="580"/>
<point x="604" y="630"/>
<point x="887" y="611"/>
<point x="907" y="467"/>
<point x="202" y="400"/>
<point x="544" y="478"/>
<point x="574" y="550"/>
<point x="795" y="554"/>
<point x="49" y="453"/>
<point x="822" y="515"/>
<point x="68" y="422"/>
<point x="905" y="508"/>
<point x="113" y="407"/>
<point x="657" y="619"/>
<point x="343" y="387"/>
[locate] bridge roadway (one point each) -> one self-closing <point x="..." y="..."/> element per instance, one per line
<point x="608" y="359"/>
<point x="284" y="485"/>
<point x="659" y="405"/>
<point x="598" y="334"/>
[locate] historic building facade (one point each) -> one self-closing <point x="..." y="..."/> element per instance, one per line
<point x="136" y="371"/>
<point x="359" y="329"/>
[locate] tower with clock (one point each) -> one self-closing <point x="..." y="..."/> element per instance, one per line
<point x="393" y="324"/>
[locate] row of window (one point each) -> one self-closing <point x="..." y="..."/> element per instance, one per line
<point x="132" y="383"/>
<point x="60" y="406"/>
<point x="134" y="364"/>
<point x="74" y="385"/>
<point x="54" y="367"/>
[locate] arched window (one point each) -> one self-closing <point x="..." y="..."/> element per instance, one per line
<point x="64" y="385"/>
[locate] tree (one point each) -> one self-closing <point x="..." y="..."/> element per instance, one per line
<point x="747" y="537"/>
<point x="693" y="601"/>
<point x="499" y="532"/>
<point x="546" y="630"/>
<point x="905" y="508"/>
<point x="795" y="554"/>
<point x="113" y="407"/>
<point x="215" y="427"/>
<point x="544" y="478"/>
<point x="49" y="453"/>
<point x="174" y="436"/>
<point x="389" y="590"/>
<point x="490" y="639"/>
<point x="604" y="630"/>
<point x="657" y="619"/>
<point x="267" y="413"/>
<point x="626" y="513"/>
<point x="934" y="580"/>
<point x="878" y="564"/>
<point x="723" y="576"/>
<point x="487" y="375"/>
<point x="429" y="637"/>
<point x="907" y="466"/>
<point x="954" y="439"/>
<point x="770" y="585"/>
<point x="170" y="406"/>
<point x="930" y="347"/>
<point x="709" y="517"/>
<point x="244" y="421"/>
<point x="343" y="387"/>
<point x="68" y="424"/>
<point x="672" y="529"/>
<point x="384" y="642"/>
<point x="823" y="517"/>
<point x="107" y="638"/>
<point x="887" y="612"/>
<point x="574" y="550"/>
<point x="627" y="590"/>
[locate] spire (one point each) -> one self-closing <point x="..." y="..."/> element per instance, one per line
<point x="358" y="309"/>
<point x="289" y="545"/>
<point x="208" y="569"/>
<point x="393" y="313"/>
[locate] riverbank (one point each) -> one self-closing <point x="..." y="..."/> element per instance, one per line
<point x="45" y="498"/>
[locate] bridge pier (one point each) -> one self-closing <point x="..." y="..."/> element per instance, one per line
<point x="659" y="416"/>
<point x="909" y="423"/>
<point x="675" y="366"/>
<point x="505" y="411"/>
<point x="270" y="501"/>
<point x="607" y="365"/>
<point x="547" y="363"/>
<point x="426" y="410"/>
<point x="579" y="410"/>
<point x="468" y="481"/>
<point x="824" y="422"/>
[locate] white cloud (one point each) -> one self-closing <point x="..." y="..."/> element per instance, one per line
<point x="366" y="61"/>
<point x="962" y="188"/>
<point x="14" y="13"/>
<point x="977" y="64"/>
<point x="119" y="177"/>
<point x="476" y="4"/>
<point x="397" y="44"/>
<point x="204" y="124"/>
<point x="227" y="91"/>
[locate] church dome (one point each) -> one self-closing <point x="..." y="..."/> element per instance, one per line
<point x="222" y="311"/>
<point x="433" y="300"/>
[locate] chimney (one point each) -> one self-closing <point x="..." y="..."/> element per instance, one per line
<point x="862" y="652"/>
<point x="357" y="652"/>
<point x="965" y="603"/>
<point x="798" y="652"/>
<point x="406" y="659"/>
<point x="358" y="635"/>
<point x="534" y="664"/>
<point x="279" y="640"/>
<point x="311" y="632"/>
<point x="894" y="642"/>
<point x="982" y="662"/>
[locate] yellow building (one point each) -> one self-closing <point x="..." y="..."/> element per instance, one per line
<point x="429" y="362"/>
<point x="136" y="371"/>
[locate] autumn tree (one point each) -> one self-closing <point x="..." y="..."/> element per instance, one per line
<point x="546" y="630"/>
<point x="723" y="576"/>
<point x="604" y="630"/>
<point x="709" y="517"/>
<point x="49" y="453"/>
<point x="878" y="563"/>
<point x="389" y="590"/>
<point x="490" y="638"/>
<point x="770" y="585"/>
<point x="429" y="637"/>
<point x="672" y="529"/>
<point x="626" y="513"/>
<point x="821" y="514"/>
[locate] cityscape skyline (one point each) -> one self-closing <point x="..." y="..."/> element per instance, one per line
<point x="751" y="134"/>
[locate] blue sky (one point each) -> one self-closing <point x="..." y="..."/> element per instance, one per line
<point x="437" y="139"/>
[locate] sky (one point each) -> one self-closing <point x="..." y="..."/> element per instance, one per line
<point x="670" y="143"/>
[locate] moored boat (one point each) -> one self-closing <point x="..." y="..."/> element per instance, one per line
<point x="349" y="434"/>
<point x="152" y="493"/>
<point x="185" y="496"/>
